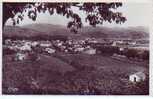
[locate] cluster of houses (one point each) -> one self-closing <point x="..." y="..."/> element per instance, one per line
<point x="74" y="46"/>
<point x="123" y="43"/>
<point x="26" y="48"/>
<point x="68" y="46"/>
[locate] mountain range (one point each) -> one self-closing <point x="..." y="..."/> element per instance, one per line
<point x="88" y="31"/>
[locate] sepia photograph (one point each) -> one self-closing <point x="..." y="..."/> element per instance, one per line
<point x="75" y="48"/>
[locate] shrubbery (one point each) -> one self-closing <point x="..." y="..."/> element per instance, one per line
<point x="108" y="49"/>
<point x="134" y="53"/>
<point x="7" y="51"/>
<point x="128" y="52"/>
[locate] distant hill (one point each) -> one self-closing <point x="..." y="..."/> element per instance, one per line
<point x="97" y="32"/>
<point x="49" y="29"/>
<point x="11" y="31"/>
<point x="131" y="32"/>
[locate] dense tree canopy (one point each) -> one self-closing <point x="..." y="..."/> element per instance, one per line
<point x="96" y="13"/>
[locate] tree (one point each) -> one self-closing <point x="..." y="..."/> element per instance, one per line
<point x="96" y="13"/>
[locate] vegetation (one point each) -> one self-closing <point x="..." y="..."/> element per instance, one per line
<point x="70" y="74"/>
<point x="135" y="53"/>
<point x="96" y="13"/>
<point x="66" y="73"/>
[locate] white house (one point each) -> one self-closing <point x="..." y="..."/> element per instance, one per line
<point x="121" y="49"/>
<point x="93" y="41"/>
<point x="25" y="47"/>
<point x="34" y="43"/>
<point x="137" y="77"/>
<point x="90" y="51"/>
<point x="114" y="44"/>
<point x="79" y="49"/>
<point x="49" y="50"/>
<point x="117" y="56"/>
<point x="59" y="44"/>
<point x="66" y="50"/>
<point x="45" y="44"/>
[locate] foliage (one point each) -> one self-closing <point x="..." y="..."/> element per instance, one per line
<point x="96" y="13"/>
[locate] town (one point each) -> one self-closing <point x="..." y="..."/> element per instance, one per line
<point x="77" y="55"/>
<point x="88" y="46"/>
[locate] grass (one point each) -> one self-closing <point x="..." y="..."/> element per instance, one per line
<point x="70" y="74"/>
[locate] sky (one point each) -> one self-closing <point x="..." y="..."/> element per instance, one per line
<point x="137" y="14"/>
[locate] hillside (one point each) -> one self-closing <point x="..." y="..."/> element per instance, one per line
<point x="11" y="31"/>
<point x="131" y="32"/>
<point x="49" y="29"/>
<point x="97" y="32"/>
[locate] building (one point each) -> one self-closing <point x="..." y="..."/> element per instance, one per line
<point x="90" y="51"/>
<point x="45" y="44"/>
<point x="121" y="49"/>
<point x="34" y="44"/>
<point x="50" y="50"/>
<point x="25" y="47"/>
<point x="119" y="57"/>
<point x="20" y="56"/>
<point x="137" y="77"/>
<point x="79" y="49"/>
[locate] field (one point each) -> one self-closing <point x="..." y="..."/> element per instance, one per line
<point x="76" y="74"/>
<point x="71" y="74"/>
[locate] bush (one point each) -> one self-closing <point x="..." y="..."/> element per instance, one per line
<point x="145" y="55"/>
<point x="134" y="53"/>
<point x="108" y="49"/>
<point x="131" y="53"/>
<point x="7" y="51"/>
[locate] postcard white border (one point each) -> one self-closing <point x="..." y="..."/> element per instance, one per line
<point x="65" y="97"/>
